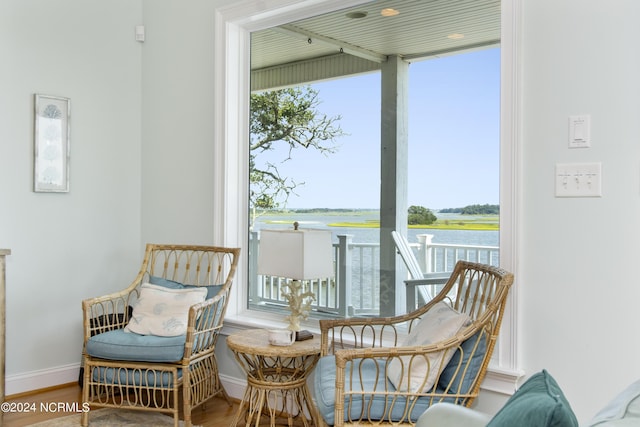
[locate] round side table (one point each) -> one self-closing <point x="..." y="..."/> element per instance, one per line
<point x="276" y="379"/>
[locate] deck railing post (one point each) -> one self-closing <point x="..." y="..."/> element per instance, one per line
<point x="424" y="252"/>
<point x="343" y="279"/>
<point x="254" y="285"/>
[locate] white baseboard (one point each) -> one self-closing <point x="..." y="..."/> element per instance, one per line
<point x="36" y="380"/>
<point x="234" y="386"/>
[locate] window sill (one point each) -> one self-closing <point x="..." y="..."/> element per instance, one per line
<point x="262" y="320"/>
<point x="502" y="381"/>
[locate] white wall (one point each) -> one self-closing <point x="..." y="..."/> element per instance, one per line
<point x="579" y="290"/>
<point x="177" y="122"/>
<point x="67" y="247"/>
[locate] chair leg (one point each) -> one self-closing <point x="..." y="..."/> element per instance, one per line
<point x="84" y="418"/>
<point x="186" y="398"/>
<point x="186" y="413"/>
<point x="215" y="375"/>
<point x="224" y="394"/>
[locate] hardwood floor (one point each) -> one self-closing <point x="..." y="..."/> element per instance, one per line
<point x="215" y="413"/>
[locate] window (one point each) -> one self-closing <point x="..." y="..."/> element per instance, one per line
<point x="453" y="162"/>
<point x="233" y="25"/>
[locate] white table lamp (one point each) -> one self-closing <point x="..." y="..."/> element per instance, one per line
<point x="298" y="254"/>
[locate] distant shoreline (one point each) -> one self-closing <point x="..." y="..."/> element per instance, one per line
<point x="458" y="222"/>
<point x="472" y="225"/>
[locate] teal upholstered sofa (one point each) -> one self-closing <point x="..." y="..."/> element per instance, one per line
<point x="539" y="402"/>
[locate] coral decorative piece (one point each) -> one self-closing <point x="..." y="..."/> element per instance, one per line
<point x="299" y="303"/>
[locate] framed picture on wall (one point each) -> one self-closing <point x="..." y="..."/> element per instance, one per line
<point x="51" y="144"/>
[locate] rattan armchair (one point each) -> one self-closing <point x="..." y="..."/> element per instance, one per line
<point x="161" y="374"/>
<point x="358" y="355"/>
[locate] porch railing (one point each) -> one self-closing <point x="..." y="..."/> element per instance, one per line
<point x="355" y="288"/>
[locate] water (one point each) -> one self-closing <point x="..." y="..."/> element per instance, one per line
<point x="372" y="235"/>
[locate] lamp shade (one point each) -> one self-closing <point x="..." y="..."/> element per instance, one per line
<point x="296" y="254"/>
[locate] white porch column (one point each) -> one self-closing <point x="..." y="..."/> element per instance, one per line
<point x="394" y="178"/>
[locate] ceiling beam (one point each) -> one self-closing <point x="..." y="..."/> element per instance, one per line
<point x="340" y="46"/>
<point x="310" y="70"/>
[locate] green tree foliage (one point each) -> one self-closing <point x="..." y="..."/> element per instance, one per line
<point x="419" y="215"/>
<point x="285" y="116"/>
<point x="481" y="210"/>
<point x="485" y="209"/>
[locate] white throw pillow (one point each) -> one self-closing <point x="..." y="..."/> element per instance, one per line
<point x="163" y="311"/>
<point x="439" y="323"/>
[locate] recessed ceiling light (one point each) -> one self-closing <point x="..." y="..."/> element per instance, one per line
<point x="455" y="36"/>
<point x="356" y="15"/>
<point x="389" y="12"/>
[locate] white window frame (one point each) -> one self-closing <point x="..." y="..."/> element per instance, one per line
<point x="233" y="25"/>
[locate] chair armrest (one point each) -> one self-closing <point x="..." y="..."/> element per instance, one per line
<point x="370" y="332"/>
<point x="366" y="332"/>
<point x="424" y="288"/>
<point x="106" y="313"/>
<point x="429" y="279"/>
<point x="388" y="353"/>
<point x="204" y="324"/>
<point x="450" y="415"/>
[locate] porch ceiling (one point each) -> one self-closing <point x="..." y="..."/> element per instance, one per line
<point x="423" y="29"/>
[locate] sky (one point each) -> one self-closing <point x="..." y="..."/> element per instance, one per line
<point x="454" y="112"/>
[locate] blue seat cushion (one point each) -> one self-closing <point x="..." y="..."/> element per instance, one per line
<point x="134" y="377"/>
<point x="120" y="345"/>
<point x="367" y="407"/>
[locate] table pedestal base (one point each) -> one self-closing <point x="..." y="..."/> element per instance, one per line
<point x="284" y="404"/>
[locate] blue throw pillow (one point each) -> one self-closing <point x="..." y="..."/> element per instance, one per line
<point x="538" y="403"/>
<point x="161" y="281"/>
<point x="212" y="290"/>
<point x="460" y="381"/>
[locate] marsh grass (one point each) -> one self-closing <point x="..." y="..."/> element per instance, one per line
<point x="474" y="223"/>
<point x="488" y="223"/>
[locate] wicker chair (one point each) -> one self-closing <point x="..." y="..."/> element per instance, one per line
<point x="353" y="380"/>
<point x="147" y="372"/>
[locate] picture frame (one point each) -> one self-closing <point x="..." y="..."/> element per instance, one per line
<point x="51" y="144"/>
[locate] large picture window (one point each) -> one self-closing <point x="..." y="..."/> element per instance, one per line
<point x="234" y="24"/>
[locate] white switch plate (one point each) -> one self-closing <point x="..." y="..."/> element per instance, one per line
<point x="139" y="33"/>
<point x="578" y="180"/>
<point x="580" y="131"/>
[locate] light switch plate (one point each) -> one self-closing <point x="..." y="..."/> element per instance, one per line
<point x="140" y="33"/>
<point x="579" y="180"/>
<point x="580" y="131"/>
